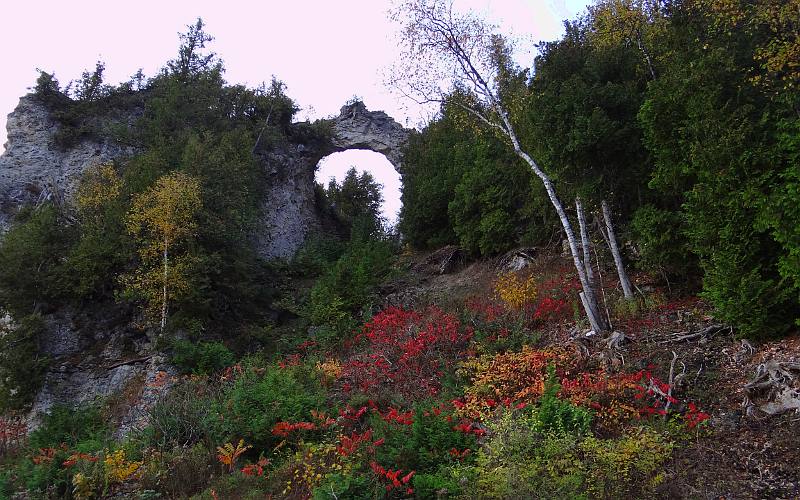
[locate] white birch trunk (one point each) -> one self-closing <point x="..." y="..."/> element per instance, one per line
<point x="164" y="299"/>
<point x="585" y="244"/>
<point x="627" y="290"/>
<point x="589" y="300"/>
<point x="595" y="316"/>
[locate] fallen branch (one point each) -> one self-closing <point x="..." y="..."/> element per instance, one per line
<point x="710" y="330"/>
<point x="129" y="362"/>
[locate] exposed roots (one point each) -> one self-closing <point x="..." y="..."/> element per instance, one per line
<point x="775" y="388"/>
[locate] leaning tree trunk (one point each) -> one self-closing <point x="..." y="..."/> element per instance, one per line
<point x="585" y="243"/>
<point x="588" y="297"/>
<point x="612" y="243"/>
<point x="595" y="318"/>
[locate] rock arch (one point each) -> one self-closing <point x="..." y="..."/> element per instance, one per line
<point x="358" y="128"/>
<point x="289" y="211"/>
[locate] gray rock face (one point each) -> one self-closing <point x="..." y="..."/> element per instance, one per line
<point x="100" y="360"/>
<point x="32" y="169"/>
<point x="288" y="212"/>
<point x="92" y="359"/>
<point x="358" y="128"/>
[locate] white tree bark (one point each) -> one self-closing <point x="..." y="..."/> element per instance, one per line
<point x="585" y="243"/>
<point x="627" y="290"/>
<point x="164" y="299"/>
<point x="595" y="318"/>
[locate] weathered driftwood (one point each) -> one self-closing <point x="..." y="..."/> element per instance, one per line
<point x="775" y="388"/>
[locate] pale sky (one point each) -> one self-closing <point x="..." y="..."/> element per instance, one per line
<point x="325" y="51"/>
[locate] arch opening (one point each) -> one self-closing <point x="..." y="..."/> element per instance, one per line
<point x="336" y="165"/>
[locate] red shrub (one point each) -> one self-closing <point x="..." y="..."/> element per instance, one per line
<point x="406" y="353"/>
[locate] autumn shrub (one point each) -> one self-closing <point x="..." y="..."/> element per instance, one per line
<point x="512" y="377"/>
<point x="626" y="466"/>
<point x="514" y="291"/>
<point x="309" y="468"/>
<point x="516" y="461"/>
<point x="42" y="473"/>
<point x="520" y="459"/>
<point x="404" y="353"/>
<point x="13" y="434"/>
<point x="497" y="328"/>
<point x="179" y="472"/>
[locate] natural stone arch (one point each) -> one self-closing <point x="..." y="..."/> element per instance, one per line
<point x="358" y="128"/>
<point x="289" y="212"/>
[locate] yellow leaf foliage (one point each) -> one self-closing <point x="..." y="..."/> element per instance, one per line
<point x="514" y="291"/>
<point x="118" y="468"/>
<point x="98" y="186"/>
<point x="164" y="214"/>
<point x="227" y="454"/>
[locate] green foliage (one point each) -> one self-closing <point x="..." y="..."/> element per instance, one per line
<point x="345" y="486"/>
<point x="557" y="416"/>
<point x="201" y="358"/>
<point x="656" y="232"/>
<point x="579" y="117"/>
<point x="317" y="255"/>
<point x="432" y="167"/>
<point x="31" y="271"/>
<point x="466" y="186"/>
<point x="717" y="145"/>
<point x="349" y="284"/>
<point x="266" y="394"/>
<point x="22" y="367"/>
<point x="430" y="486"/>
<point x="185" y="416"/>
<point x="519" y="462"/>
<point x="357" y="197"/>
<point x="491" y="200"/>
<point x="424" y="445"/>
<point x="82" y="428"/>
<point x="189" y="121"/>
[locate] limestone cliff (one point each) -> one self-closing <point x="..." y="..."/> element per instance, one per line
<point x="33" y="169"/>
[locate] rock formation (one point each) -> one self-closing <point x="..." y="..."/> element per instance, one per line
<point x="92" y="358"/>
<point x="33" y="169"/>
<point x="288" y="211"/>
<point x="358" y="128"/>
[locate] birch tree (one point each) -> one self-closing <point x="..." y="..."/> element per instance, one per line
<point x="443" y="51"/>
<point x="160" y="219"/>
